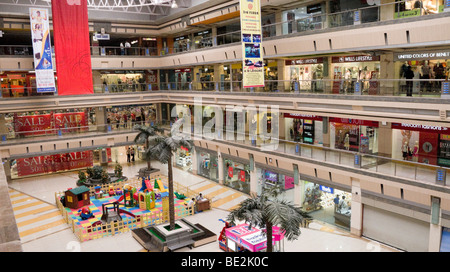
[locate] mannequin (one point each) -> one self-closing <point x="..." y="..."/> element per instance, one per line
<point x="405" y="150"/>
<point x="426" y="74"/>
<point x="347" y="142"/>
<point x="416" y="151"/>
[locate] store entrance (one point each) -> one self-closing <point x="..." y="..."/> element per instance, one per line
<point x="327" y="204"/>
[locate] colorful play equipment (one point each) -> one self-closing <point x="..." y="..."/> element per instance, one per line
<point x="222" y="237"/>
<point x="85" y="213"/>
<point x="98" y="193"/>
<point x="147" y="200"/>
<point x="111" y="191"/>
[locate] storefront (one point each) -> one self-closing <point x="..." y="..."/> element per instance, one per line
<point x="303" y="128"/>
<point x="123" y="81"/>
<point x="151" y="79"/>
<point x="303" y="74"/>
<point x="425" y="64"/>
<point x="271" y="75"/>
<point x="354" y="135"/>
<point x="422" y="143"/>
<point x="18" y="84"/>
<point x="183" y="159"/>
<point x="326" y="204"/>
<point x="304" y="18"/>
<point x="202" y="39"/>
<point x="127" y="116"/>
<point x="207" y="164"/>
<point x="268" y="177"/>
<point x="236" y="173"/>
<point x="183" y="78"/>
<point x="347" y="70"/>
<point x="181" y="44"/>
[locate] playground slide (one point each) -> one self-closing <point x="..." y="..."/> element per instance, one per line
<point x="162" y="189"/>
<point x="148" y="185"/>
<point x="120" y="198"/>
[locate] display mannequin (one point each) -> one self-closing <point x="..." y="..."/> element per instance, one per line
<point x="405" y="150"/>
<point x="347" y="142"/>
<point x="426" y="74"/>
<point x="416" y="151"/>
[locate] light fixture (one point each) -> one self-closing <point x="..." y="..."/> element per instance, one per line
<point x="174" y="4"/>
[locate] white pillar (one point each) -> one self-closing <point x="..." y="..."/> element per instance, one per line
<point x="220" y="166"/>
<point x="356" y="217"/>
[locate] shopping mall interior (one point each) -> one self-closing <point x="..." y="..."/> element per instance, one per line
<point x="347" y="112"/>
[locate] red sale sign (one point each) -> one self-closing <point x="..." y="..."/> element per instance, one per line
<point x="54" y="163"/>
<point x="32" y="124"/>
<point x="71" y="121"/>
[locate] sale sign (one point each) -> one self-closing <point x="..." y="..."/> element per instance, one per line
<point x="54" y="163"/>
<point x="230" y="172"/>
<point x="242" y="175"/>
<point x="71" y="121"/>
<point x="32" y="124"/>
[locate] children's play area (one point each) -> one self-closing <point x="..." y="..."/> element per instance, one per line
<point x="115" y="208"/>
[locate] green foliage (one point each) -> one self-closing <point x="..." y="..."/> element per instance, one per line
<point x="97" y="172"/>
<point x="90" y="172"/>
<point x="118" y="170"/>
<point x="81" y="175"/>
<point x="104" y="177"/>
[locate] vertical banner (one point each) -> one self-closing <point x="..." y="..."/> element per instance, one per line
<point x="72" y="48"/>
<point x="42" y="50"/>
<point x="252" y="59"/>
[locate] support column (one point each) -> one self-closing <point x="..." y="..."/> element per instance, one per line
<point x="194" y="161"/>
<point x="357" y="209"/>
<point x="3" y="128"/>
<point x="214" y="36"/>
<point x="434" y="242"/>
<point x="387" y="71"/>
<point x="100" y="119"/>
<point x="218" y="71"/>
<point x="278" y="27"/>
<point x="220" y="166"/>
<point x="283" y="82"/>
<point x="385" y="140"/>
<point x="253" y="182"/>
<point x="326" y="132"/>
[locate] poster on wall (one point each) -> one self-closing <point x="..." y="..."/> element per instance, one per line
<point x="252" y="58"/>
<point x="42" y="50"/>
<point x="72" y="47"/>
<point x="48" y="123"/>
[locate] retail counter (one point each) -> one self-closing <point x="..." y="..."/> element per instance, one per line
<point x="203" y="205"/>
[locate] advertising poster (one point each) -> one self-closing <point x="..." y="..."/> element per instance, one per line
<point x="54" y="163"/>
<point x="42" y="50"/>
<point x="47" y="123"/>
<point x="72" y="47"/>
<point x="252" y="54"/>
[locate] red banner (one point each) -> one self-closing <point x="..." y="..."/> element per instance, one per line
<point x="32" y="124"/>
<point x="46" y="123"/>
<point x="71" y="121"/>
<point x="72" y="49"/>
<point x="54" y="163"/>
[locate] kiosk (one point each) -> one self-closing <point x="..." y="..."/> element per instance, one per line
<point x="240" y="238"/>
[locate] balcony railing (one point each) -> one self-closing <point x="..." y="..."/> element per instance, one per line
<point x="312" y="22"/>
<point x="438" y="88"/>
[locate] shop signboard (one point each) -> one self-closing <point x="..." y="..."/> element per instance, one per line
<point x="54" y="163"/>
<point x="304" y="61"/>
<point x="355" y="58"/>
<point x="72" y="47"/>
<point x="421" y="127"/>
<point x="42" y="50"/>
<point x="326" y="189"/>
<point x="407" y="13"/>
<point x="354" y="122"/>
<point x="302" y="116"/>
<point x="422" y="55"/>
<point x="252" y="58"/>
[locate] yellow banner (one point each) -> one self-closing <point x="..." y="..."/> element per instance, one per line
<point x="252" y="58"/>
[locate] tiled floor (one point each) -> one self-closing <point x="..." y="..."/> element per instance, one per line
<point x="42" y="229"/>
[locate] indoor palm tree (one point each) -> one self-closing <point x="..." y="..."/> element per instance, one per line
<point x="266" y="211"/>
<point x="161" y="147"/>
<point x="142" y="138"/>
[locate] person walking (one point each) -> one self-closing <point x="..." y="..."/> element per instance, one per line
<point x="128" y="154"/>
<point x="132" y="154"/>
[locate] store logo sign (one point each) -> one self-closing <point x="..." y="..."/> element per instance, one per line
<point x="327" y="189"/>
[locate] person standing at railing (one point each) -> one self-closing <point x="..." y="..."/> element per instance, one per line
<point x="409" y="75"/>
<point x="122" y="49"/>
<point x="127" y="46"/>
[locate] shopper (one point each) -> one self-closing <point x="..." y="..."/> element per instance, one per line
<point x="128" y="154"/>
<point x="409" y="75"/>
<point x="336" y="202"/>
<point x="132" y="154"/>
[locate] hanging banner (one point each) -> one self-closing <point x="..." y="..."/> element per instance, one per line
<point x="54" y="163"/>
<point x="72" y="48"/>
<point x="252" y="59"/>
<point x="42" y="50"/>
